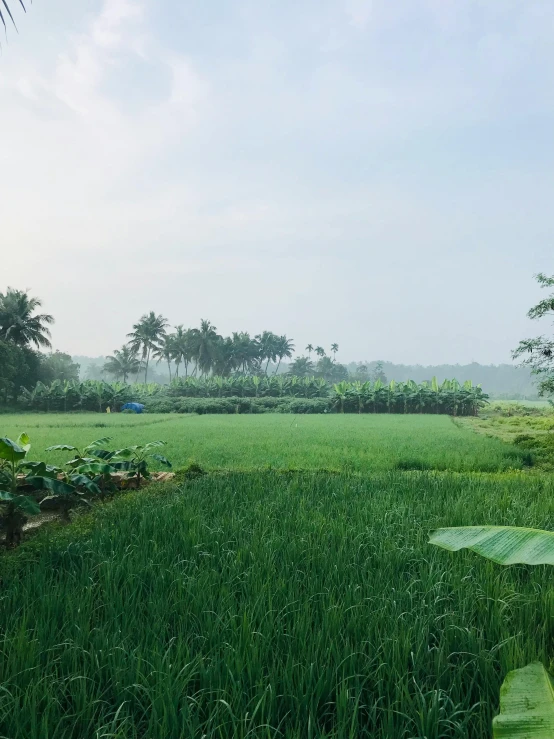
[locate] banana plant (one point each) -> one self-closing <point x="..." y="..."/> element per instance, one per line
<point x="90" y="467"/>
<point x="527" y="694"/>
<point x="342" y="390"/>
<point x="134" y="460"/>
<point x="17" y="477"/>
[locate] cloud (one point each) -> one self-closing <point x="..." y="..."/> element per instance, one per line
<point x="359" y="12"/>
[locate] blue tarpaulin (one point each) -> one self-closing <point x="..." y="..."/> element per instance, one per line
<point x="137" y="407"/>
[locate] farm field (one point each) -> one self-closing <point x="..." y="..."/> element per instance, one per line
<point x="336" y="442"/>
<point x="290" y="593"/>
<point x="258" y="604"/>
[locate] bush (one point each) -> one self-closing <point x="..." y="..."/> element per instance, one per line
<point x="158" y="405"/>
<point x="203" y="406"/>
<point x="307" y="405"/>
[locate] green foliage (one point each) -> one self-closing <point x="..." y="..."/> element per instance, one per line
<point x="17" y="486"/>
<point x="19" y="367"/>
<point x="58" y="366"/>
<point x="349" y="397"/>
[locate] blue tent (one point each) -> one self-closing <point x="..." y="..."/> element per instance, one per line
<point x="137" y="407"/>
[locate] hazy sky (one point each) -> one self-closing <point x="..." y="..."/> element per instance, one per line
<point x="373" y="172"/>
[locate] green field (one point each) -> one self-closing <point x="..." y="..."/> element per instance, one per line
<point x="268" y="603"/>
<point x="364" y="443"/>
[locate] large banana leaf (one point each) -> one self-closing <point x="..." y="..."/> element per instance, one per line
<point x="161" y="459"/>
<point x="11" y="451"/>
<point x="61" y="448"/>
<point x="526" y="705"/>
<point x="85" y="482"/>
<point x="94" y="468"/>
<point x="20" y="501"/>
<point x="40" y="469"/>
<point x="98" y="443"/>
<point x="47" y="483"/>
<point x="24" y="442"/>
<point x="506" y="545"/>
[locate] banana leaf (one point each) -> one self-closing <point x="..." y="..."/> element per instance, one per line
<point x="506" y="545"/>
<point x="526" y="705"/>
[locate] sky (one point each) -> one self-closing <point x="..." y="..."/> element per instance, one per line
<point x="373" y="173"/>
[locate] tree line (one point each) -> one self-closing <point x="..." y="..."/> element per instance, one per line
<point x="258" y="394"/>
<point x="203" y="352"/>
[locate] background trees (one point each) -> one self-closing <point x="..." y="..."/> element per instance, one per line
<point x="58" y="366"/>
<point x="19" y="322"/>
<point x="538" y="353"/>
<point x="22" y="329"/>
<point x="147" y="336"/>
<point x="123" y="363"/>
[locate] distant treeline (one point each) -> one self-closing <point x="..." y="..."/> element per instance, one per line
<point x="255" y="394"/>
<point x="499" y="381"/>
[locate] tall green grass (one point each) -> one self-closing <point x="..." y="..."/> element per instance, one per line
<point x="274" y="605"/>
<point x="332" y="442"/>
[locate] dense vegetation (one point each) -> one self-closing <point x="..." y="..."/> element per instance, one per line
<point x="251" y="394"/>
<point x="261" y="604"/>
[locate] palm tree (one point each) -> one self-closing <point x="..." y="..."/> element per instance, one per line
<point x="182" y="348"/>
<point x="310" y="349"/>
<point x="166" y="350"/>
<point x="17" y="322"/>
<point x="284" y="348"/>
<point x="122" y="363"/>
<point x="302" y="367"/>
<point x="267" y="342"/>
<point x="146" y="336"/>
<point x="7" y="7"/>
<point x="205" y="343"/>
<point x="334" y="349"/>
<point x="245" y="352"/>
<point x="320" y="351"/>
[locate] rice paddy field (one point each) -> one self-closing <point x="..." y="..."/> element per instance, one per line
<point x="364" y="443"/>
<point x="290" y="592"/>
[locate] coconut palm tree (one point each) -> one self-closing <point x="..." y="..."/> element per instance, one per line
<point x="147" y="336"/>
<point x="284" y="348"/>
<point x="310" y="349"/>
<point x="122" y="363"/>
<point x="17" y="322"/>
<point x="246" y="352"/>
<point x="205" y="344"/>
<point x="182" y="348"/>
<point x="334" y="349"/>
<point x="267" y="347"/>
<point x="320" y="351"/>
<point x="166" y="351"/>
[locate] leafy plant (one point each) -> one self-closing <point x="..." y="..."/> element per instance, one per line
<point x="134" y="460"/>
<point x="527" y="694"/>
<point x="17" y="477"/>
